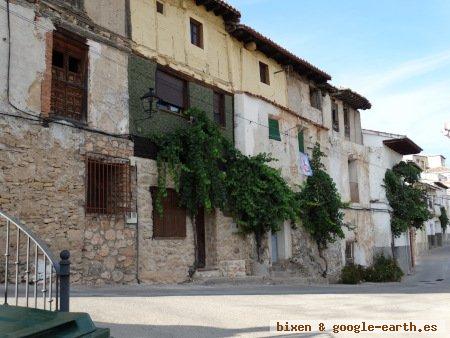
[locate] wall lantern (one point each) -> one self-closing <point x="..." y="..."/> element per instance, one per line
<point x="147" y="102"/>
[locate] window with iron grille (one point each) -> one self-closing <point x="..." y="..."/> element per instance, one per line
<point x="219" y="109"/>
<point x="69" y="85"/>
<point x="264" y="73"/>
<point x="196" y="33"/>
<point x="347" y="122"/>
<point x="172" y="222"/>
<point x="335" y="116"/>
<point x="108" y="186"/>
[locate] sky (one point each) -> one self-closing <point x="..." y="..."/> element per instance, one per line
<point x="394" y="52"/>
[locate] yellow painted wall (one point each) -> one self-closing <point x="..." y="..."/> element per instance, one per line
<point x="223" y="61"/>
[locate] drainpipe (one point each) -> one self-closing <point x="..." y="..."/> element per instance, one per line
<point x="137" y="225"/>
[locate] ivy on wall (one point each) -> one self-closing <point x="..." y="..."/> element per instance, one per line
<point x="209" y="173"/>
<point x="406" y="198"/>
<point x="320" y="206"/>
<point x="443" y="219"/>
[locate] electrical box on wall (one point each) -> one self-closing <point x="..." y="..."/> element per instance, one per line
<point x="131" y="218"/>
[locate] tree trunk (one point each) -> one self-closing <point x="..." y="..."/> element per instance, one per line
<point x="325" y="272"/>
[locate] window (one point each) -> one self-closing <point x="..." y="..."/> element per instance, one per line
<point x="219" y="109"/>
<point x="264" y="73"/>
<point x="274" y="130"/>
<point x="301" y="141"/>
<point x="172" y="222"/>
<point x="108" y="189"/>
<point x="353" y="181"/>
<point x="349" y="253"/>
<point x="196" y="33"/>
<point x="315" y="98"/>
<point x="171" y="92"/>
<point x="335" y="115"/>
<point x="69" y="85"/>
<point x="145" y="147"/>
<point x="347" y="122"/>
<point x="159" y="7"/>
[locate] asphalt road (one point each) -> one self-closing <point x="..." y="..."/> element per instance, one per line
<point x="247" y="310"/>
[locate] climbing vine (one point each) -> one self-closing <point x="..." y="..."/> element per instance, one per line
<point x="320" y="205"/>
<point x="209" y="173"/>
<point x="406" y="198"/>
<point x="443" y="219"/>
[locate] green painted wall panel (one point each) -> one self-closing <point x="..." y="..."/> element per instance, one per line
<point x="141" y="77"/>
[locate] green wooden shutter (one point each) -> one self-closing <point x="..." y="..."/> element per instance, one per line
<point x="301" y="141"/>
<point x="274" y="130"/>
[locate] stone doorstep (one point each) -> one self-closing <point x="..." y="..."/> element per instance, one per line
<point x="254" y="280"/>
<point x="207" y="273"/>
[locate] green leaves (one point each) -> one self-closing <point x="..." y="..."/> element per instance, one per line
<point x="406" y="198"/>
<point x="320" y="204"/>
<point x="210" y="173"/>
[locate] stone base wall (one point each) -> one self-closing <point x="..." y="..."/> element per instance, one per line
<point x="42" y="183"/>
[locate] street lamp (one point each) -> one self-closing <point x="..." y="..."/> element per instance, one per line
<point x="147" y="102"/>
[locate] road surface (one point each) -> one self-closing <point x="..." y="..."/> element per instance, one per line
<point x="247" y="310"/>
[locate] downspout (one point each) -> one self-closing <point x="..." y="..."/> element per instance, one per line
<point x="137" y="226"/>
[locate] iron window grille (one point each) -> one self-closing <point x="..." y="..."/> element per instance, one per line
<point x="108" y="185"/>
<point x="335" y="116"/>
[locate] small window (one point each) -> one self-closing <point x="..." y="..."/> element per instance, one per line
<point x="335" y="115"/>
<point x="347" y="122"/>
<point x="69" y="85"/>
<point x="349" y="253"/>
<point x="159" y="7"/>
<point x="315" y="98"/>
<point x="171" y="92"/>
<point x="301" y="141"/>
<point x="172" y="222"/>
<point x="274" y="130"/>
<point x="219" y="109"/>
<point x="108" y="185"/>
<point x="353" y="180"/>
<point x="196" y="33"/>
<point x="264" y="73"/>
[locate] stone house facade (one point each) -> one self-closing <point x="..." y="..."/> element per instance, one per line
<point x="77" y="165"/>
<point x="385" y="151"/>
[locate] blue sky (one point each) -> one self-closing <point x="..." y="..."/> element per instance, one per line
<point x="394" y="52"/>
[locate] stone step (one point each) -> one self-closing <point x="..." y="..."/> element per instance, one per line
<point x="207" y="273"/>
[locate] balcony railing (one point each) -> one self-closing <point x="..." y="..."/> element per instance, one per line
<point x="29" y="264"/>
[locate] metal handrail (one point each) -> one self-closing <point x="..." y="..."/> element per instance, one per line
<point x="61" y="270"/>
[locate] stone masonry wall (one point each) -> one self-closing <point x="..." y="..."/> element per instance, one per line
<point x="42" y="182"/>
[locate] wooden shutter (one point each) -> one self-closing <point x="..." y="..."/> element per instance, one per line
<point x="274" y="130"/>
<point x="170" y="89"/>
<point x="301" y="141"/>
<point x="172" y="222"/>
<point x="69" y="89"/>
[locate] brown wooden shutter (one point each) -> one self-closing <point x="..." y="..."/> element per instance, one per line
<point x="170" y="89"/>
<point x="172" y="223"/>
